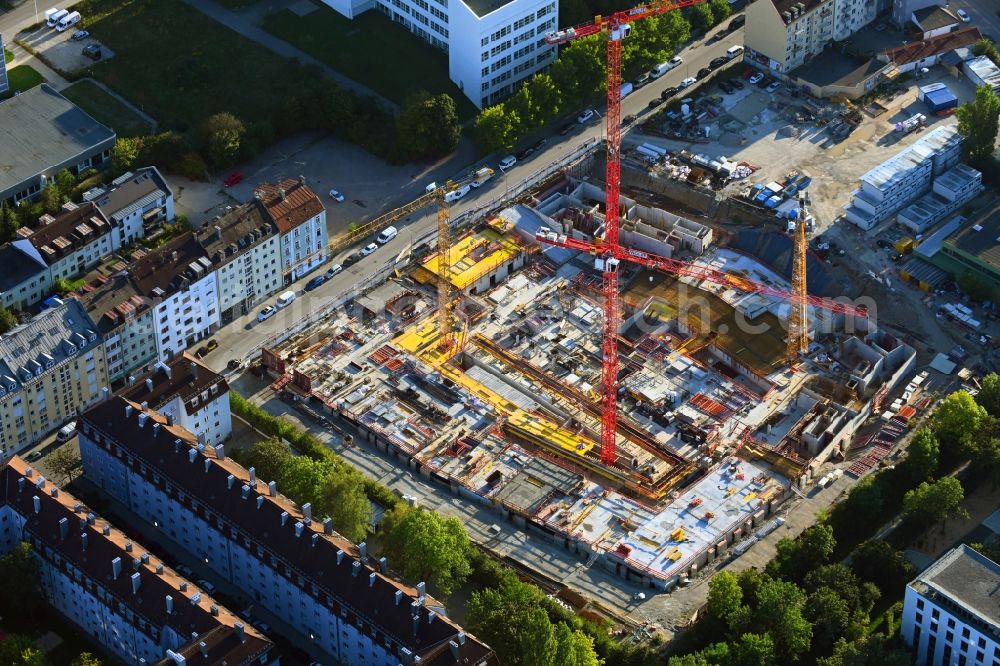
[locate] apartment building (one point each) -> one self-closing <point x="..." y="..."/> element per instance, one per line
<point x="51" y="368"/>
<point x="904" y="177"/>
<point x="950" y="610"/>
<point x="25" y="278"/>
<point x="188" y="393"/>
<point x="180" y="282"/>
<point x="492" y="45"/>
<point x="288" y="560"/>
<point x="950" y="191"/>
<point x="780" y="35"/>
<point x="112" y="588"/>
<point x="124" y="319"/>
<point x="245" y="249"/>
<point x="73" y="241"/>
<point x="300" y="218"/>
<point x="136" y="202"/>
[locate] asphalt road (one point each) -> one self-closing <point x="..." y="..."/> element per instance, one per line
<point x="245" y="333"/>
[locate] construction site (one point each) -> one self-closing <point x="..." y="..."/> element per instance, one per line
<point x="502" y="401"/>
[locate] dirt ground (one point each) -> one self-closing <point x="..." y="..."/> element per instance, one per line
<point x="59" y="49"/>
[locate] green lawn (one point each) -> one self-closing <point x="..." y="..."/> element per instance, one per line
<point x="180" y="66"/>
<point x="22" y="77"/>
<point x="372" y="50"/>
<point x="7" y="55"/>
<point x="106" y="109"/>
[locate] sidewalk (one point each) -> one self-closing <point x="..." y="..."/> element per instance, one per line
<point x="246" y="26"/>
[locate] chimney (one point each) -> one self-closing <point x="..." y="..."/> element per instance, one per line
<point x="253" y="477"/>
<point x="416" y="623"/>
<point x="372" y="577"/>
<point x="307" y="512"/>
<point x="63" y="528"/>
<point x="167" y="371"/>
<point x="383" y="565"/>
<point x="260" y="501"/>
<point x="355" y="569"/>
<point x="203" y="646"/>
<point x="220" y="452"/>
<point x="399" y="596"/>
<point x="149" y="384"/>
<point x="144" y="558"/>
<point x="183" y="586"/>
<point x="40" y="484"/>
<point x="192" y="455"/>
<point x="421" y="589"/>
<point x="37" y="501"/>
<point x="218" y="233"/>
<point x="302" y="180"/>
<point x="83" y="541"/>
<point x="208" y="464"/>
<point x="245" y="491"/>
<point x="340" y="556"/>
<point x="156" y="429"/>
<point x="239" y="631"/>
<point x="21" y="484"/>
<point x="214" y="610"/>
<point x="363" y="551"/>
<point x="170" y="604"/>
<point x="430" y="617"/>
<point x="272" y="488"/>
<point x="194" y="370"/>
<point x="454" y="649"/>
<point x="230" y="480"/>
<point x="281" y="191"/>
<point x="105" y="393"/>
<point x="177" y="445"/>
<point x="159" y="569"/>
<point x="106" y="530"/>
<point x="284" y="518"/>
<point x="142" y="419"/>
<point x="128" y="546"/>
<point x="461" y="638"/>
<point x="128" y="411"/>
<point x="195" y="598"/>
<point x="116" y="568"/>
<point x="54" y="492"/>
<point x="328" y="526"/>
<point x="299" y="527"/>
<point x="315" y="539"/>
<point x="28" y="472"/>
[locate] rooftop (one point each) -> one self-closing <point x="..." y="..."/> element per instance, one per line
<point x="934" y="17"/>
<point x="75" y="227"/>
<point x="17" y="267"/>
<point x="803" y="6"/>
<point x="53" y="517"/>
<point x="969" y="578"/>
<point x="50" y="338"/>
<point x="832" y="68"/>
<point x="133" y="190"/>
<point x="986" y="70"/>
<point x="280" y="526"/>
<point x="925" y="48"/>
<point x="182" y="376"/>
<point x="899" y="166"/>
<point x="234" y="232"/>
<point x="39" y="129"/>
<point x="483" y="7"/>
<point x="166" y="270"/>
<point x="112" y="302"/>
<point x="980" y="236"/>
<point x="475" y="255"/>
<point x="289" y="203"/>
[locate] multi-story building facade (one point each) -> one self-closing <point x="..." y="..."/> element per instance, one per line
<point x="136" y="202"/>
<point x="780" y="35"/>
<point x="51" y="368"/>
<point x="493" y="45"/>
<point x="124" y="320"/>
<point x="25" y="278"/>
<point x="180" y="283"/>
<point x="950" y="610"/>
<point x="904" y="177"/>
<point x="951" y="190"/>
<point x="112" y="588"/>
<point x="189" y="394"/>
<point x="300" y="218"/>
<point x="245" y="249"/>
<point x="289" y="561"/>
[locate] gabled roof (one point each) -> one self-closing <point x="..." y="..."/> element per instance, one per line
<point x="934" y="17"/>
<point x="925" y="48"/>
<point x="182" y="376"/>
<point x="289" y="203"/>
<point x="75" y="227"/>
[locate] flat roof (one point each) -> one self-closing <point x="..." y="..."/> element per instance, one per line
<point x="934" y="17"/>
<point x="40" y="129"/>
<point x="483" y="7"/>
<point x="832" y="68"/>
<point x="474" y="256"/>
<point x="980" y="236"/>
<point x="969" y="578"/>
<point x="133" y="190"/>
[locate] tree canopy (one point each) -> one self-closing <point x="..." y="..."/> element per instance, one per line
<point x="424" y="546"/>
<point x="427" y="125"/>
<point x="797" y="557"/>
<point x="221" y="136"/>
<point x="978" y="122"/>
<point x="933" y="502"/>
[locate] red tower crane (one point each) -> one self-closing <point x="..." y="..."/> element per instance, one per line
<point x="607" y="250"/>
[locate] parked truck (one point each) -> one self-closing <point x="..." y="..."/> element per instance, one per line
<point x="480" y="176"/>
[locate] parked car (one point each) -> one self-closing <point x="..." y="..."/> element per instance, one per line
<point x="526" y="153"/>
<point x="539" y="144"/>
<point x="756" y="78"/>
<point x="262" y="627"/>
<point x="704" y="72"/>
<point x="206" y="349"/>
<point x="655" y="102"/>
<point x="371" y="247"/>
<point x="764" y="83"/>
<point x="964" y="15"/>
<point x="586" y="115"/>
<point x="315" y="282"/>
<point x="773" y="87"/>
<point x="688" y="82"/>
<point x="642" y="80"/>
<point x="80" y="35"/>
<point x="185" y="571"/>
<point x="737" y="23"/>
<point x="266" y="313"/>
<point x="883" y="244"/>
<point x="675" y="61"/>
<point x="736" y="84"/>
<point x="726" y="87"/>
<point x="718" y="62"/>
<point x="33" y="456"/>
<point x="454" y="195"/>
<point x="669" y="92"/>
<point x="93" y="51"/>
<point x="66" y="431"/>
<point x="507" y="162"/>
<point x="628" y="120"/>
<point x="333" y="270"/>
<point x="336" y="196"/>
<point x="232" y="179"/>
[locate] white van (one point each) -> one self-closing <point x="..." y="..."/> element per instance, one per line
<point x="660" y="70"/>
<point x="627" y="89"/>
<point x="285" y="299"/>
<point x="68" y="21"/>
<point x="387" y="235"/>
<point x="52" y="20"/>
<point x="733" y="51"/>
<point x="457" y="194"/>
<point x="66" y="431"/>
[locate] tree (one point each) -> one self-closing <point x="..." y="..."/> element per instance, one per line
<point x="779" y="614"/>
<point x="267" y="458"/>
<point x="19" y="594"/>
<point x="862" y="509"/>
<point x="930" y="503"/>
<point x="498" y="614"/>
<point x="52" y="199"/>
<point x="538" y="640"/>
<point x="725" y="598"/>
<point x="978" y="122"/>
<point x="990" y="550"/>
<point x="85" y="659"/>
<point x="64" y="462"/>
<point x="125" y="154"/>
<point x="957" y="418"/>
<point x="497" y="129"/>
<point x="221" y="135"/>
<point x="701" y="17"/>
<point x="7" y="320"/>
<point x="427" y="125"/>
<point x="922" y="456"/>
<point x="721" y="9"/>
<point x="982" y="47"/>
<point x="9" y="224"/>
<point x="977" y="287"/>
<point x="546" y="96"/>
<point x="830" y="616"/>
<point x="795" y="558"/>
<point x="424" y="546"/>
<point x="859" y="595"/>
<point x="878" y="562"/>
<point x="989" y="394"/>
<point x="753" y="650"/>
<point x="871" y="650"/>
<point x="302" y="478"/>
<point x="342" y="497"/>
<point x="522" y="104"/>
<point x="66" y="182"/>
<point x="20" y="650"/>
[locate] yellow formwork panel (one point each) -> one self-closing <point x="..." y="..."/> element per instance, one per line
<point x="463" y="269"/>
<point x="551" y="433"/>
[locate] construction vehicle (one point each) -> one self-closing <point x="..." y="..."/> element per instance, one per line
<point x="480" y="176"/>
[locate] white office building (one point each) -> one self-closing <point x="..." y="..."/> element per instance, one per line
<point x="300" y="218"/>
<point x="116" y="592"/>
<point x="323" y="587"/>
<point x="492" y="45"/>
<point x="950" y="612"/>
<point x="904" y="177"/>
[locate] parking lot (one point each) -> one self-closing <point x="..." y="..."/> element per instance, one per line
<point x="62" y="51"/>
